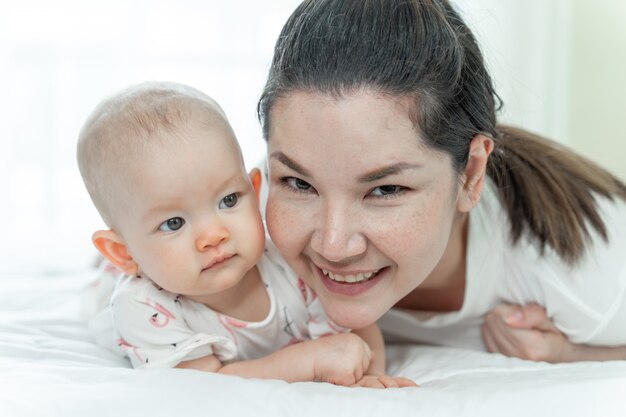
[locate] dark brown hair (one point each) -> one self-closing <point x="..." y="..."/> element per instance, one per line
<point x="422" y="49"/>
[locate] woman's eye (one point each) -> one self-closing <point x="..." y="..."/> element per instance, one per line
<point x="171" y="225"/>
<point x="229" y="201"/>
<point x="296" y="184"/>
<point x="386" y="191"/>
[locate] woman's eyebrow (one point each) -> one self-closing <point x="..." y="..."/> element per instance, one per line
<point x="386" y="171"/>
<point x="285" y="160"/>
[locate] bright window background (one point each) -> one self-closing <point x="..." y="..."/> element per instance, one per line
<point x="59" y="59"/>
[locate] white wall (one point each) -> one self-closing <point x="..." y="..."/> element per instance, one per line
<point x="525" y="44"/>
<point x="59" y="58"/>
<point x="597" y="111"/>
<point x="560" y="67"/>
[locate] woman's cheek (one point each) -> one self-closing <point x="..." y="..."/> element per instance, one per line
<point x="282" y="227"/>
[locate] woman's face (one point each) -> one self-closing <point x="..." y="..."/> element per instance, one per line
<point x="359" y="206"/>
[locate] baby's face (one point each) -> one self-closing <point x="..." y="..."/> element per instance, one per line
<point x="191" y="220"/>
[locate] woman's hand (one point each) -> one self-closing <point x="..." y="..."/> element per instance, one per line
<point x="526" y="332"/>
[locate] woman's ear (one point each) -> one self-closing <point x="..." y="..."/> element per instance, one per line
<point x="255" y="177"/>
<point x="112" y="246"/>
<point x="473" y="177"/>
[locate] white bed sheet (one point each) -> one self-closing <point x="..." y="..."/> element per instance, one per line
<point x="49" y="366"/>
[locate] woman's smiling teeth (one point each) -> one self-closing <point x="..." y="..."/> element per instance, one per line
<point x="350" y="278"/>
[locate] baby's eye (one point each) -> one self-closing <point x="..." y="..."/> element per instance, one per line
<point x="229" y="201"/>
<point x="171" y="225"/>
<point x="387" y="191"/>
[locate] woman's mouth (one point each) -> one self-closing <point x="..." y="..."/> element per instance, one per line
<point x="351" y="278"/>
<point x="350" y="284"/>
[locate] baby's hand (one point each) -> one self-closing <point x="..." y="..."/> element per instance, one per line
<point x="384" y="381"/>
<point x="341" y="359"/>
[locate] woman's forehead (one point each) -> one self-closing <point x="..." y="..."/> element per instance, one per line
<point x="359" y="100"/>
<point x="363" y="124"/>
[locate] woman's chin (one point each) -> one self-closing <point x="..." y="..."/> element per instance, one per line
<point x="352" y="316"/>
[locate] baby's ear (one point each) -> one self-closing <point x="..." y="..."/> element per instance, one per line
<point x="255" y="177"/>
<point x="112" y="246"/>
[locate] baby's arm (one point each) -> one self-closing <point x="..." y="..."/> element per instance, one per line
<point x="151" y="330"/>
<point x="340" y="359"/>
<point x="376" y="376"/>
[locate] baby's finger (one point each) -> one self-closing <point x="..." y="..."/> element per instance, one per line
<point x="405" y="382"/>
<point x="369" y="381"/>
<point x="388" y="381"/>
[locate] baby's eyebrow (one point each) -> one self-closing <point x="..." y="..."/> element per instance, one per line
<point x="386" y="171"/>
<point x="159" y="210"/>
<point x="290" y="163"/>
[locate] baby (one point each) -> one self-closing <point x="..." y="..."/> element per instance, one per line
<point x="201" y="286"/>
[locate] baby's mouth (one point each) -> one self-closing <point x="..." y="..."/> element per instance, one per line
<point x="351" y="278"/>
<point x="218" y="260"/>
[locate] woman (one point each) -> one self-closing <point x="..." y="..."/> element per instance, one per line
<point x="392" y="186"/>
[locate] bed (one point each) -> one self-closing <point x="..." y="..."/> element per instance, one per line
<point x="49" y="366"/>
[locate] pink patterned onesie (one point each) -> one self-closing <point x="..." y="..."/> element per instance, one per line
<point x="155" y="328"/>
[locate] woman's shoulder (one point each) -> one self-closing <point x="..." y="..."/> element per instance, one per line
<point x="588" y="297"/>
<point x="592" y="283"/>
<point x="525" y="264"/>
<point x="613" y="213"/>
<point x="601" y="252"/>
<point x="608" y="250"/>
<point x="489" y="220"/>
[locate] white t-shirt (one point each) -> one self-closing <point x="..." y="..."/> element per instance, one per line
<point x="586" y="302"/>
<point x="155" y="328"/>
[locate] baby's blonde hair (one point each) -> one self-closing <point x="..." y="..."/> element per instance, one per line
<point x="122" y="126"/>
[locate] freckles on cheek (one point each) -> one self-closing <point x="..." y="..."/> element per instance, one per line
<point x="281" y="227"/>
<point x="402" y="235"/>
<point x="413" y="235"/>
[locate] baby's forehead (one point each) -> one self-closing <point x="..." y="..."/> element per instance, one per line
<point x="155" y="116"/>
<point x="173" y="110"/>
<point x="188" y="124"/>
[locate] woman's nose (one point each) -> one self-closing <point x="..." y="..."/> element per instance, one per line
<point x="337" y="236"/>
<point x="211" y="236"/>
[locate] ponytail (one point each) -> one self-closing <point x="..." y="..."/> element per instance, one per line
<point x="551" y="191"/>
